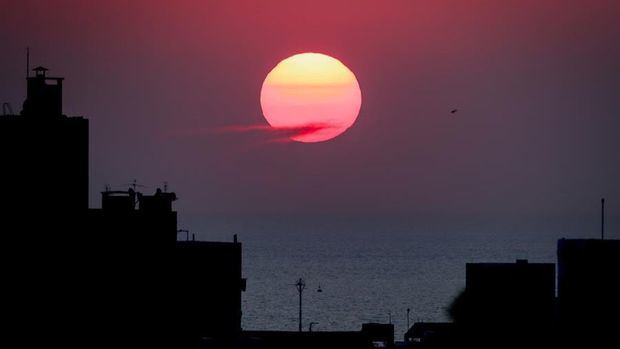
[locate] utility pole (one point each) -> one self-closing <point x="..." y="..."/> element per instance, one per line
<point x="300" y="285"/>
<point x="27" y="62"/>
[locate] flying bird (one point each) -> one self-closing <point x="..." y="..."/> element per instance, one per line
<point x="454" y="111"/>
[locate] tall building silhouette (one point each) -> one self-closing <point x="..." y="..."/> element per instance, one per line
<point x="43" y="205"/>
<point x="113" y="276"/>
<point x="589" y="290"/>
<point x="45" y="153"/>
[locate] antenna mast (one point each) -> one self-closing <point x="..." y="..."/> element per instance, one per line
<point x="602" y="218"/>
<point x="27" y="62"/>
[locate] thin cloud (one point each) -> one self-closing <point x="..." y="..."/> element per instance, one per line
<point x="272" y="134"/>
<point x="279" y="134"/>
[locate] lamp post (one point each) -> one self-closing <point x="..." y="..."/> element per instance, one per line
<point x="310" y="326"/>
<point x="408" y="310"/>
<point x="300" y="285"/>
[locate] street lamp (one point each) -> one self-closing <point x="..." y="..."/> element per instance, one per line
<point x="300" y="285"/>
<point x="408" y="310"/>
<point x="310" y="326"/>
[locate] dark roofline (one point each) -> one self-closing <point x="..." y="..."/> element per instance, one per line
<point x="258" y="333"/>
<point x="193" y="243"/>
<point x="590" y="240"/>
<point x="507" y="264"/>
<point x="44" y="77"/>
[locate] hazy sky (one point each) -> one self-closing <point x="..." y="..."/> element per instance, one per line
<point x="537" y="85"/>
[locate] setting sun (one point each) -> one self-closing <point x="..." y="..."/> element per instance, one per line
<point x="313" y="95"/>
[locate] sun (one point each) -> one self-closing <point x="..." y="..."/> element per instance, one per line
<point x="313" y="96"/>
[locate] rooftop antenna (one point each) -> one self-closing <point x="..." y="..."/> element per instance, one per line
<point x="602" y="218"/>
<point x="165" y="187"/>
<point x="134" y="185"/>
<point x="27" y="62"/>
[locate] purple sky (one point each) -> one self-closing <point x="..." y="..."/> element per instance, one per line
<point x="537" y="85"/>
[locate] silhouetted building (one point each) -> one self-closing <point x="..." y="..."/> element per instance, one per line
<point x="44" y="199"/>
<point x="183" y="291"/>
<point x="131" y="216"/>
<point x="430" y="335"/>
<point x="45" y="153"/>
<point x="507" y="303"/>
<point x="44" y="95"/>
<point x="109" y="277"/>
<point x="589" y="290"/>
<point x="209" y="285"/>
<point x="380" y="335"/>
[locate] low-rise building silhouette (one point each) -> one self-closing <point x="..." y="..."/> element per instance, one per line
<point x="430" y="335"/>
<point x="372" y="335"/>
<point x="208" y="276"/>
<point x="182" y="291"/>
<point x="507" y="303"/>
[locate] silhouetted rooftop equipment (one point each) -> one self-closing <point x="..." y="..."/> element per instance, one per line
<point x="161" y="201"/>
<point x="126" y="200"/>
<point x="44" y="95"/>
<point x="134" y="184"/>
<point x="115" y="200"/>
<point x="40" y="71"/>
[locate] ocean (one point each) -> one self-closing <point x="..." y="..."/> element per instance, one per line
<point x="368" y="269"/>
